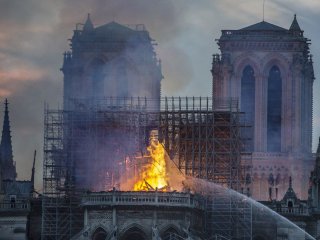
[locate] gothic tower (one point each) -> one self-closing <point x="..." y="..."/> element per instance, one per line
<point x="269" y="69"/>
<point x="110" y="70"/>
<point x="7" y="163"/>
<point x="111" y="60"/>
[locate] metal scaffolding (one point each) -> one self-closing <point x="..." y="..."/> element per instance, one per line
<point x="204" y="142"/>
<point x="84" y="149"/>
<point x="202" y="136"/>
<point x="61" y="217"/>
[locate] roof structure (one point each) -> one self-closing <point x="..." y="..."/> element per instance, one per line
<point x="114" y="26"/>
<point x="263" y="26"/>
<point x="112" y="31"/>
<point x="295" y="25"/>
<point x="88" y="26"/>
<point x="290" y="194"/>
<point x="19" y="188"/>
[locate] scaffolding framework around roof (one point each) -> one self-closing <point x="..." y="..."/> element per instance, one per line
<point x="203" y="139"/>
<point x="201" y="135"/>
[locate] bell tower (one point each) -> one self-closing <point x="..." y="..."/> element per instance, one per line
<point x="111" y="60"/>
<point x="270" y="70"/>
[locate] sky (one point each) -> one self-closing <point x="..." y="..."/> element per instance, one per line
<point x="34" y="34"/>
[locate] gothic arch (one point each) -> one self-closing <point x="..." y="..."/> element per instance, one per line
<point x="277" y="59"/>
<point x="99" y="233"/>
<point x="245" y="59"/>
<point x="170" y="228"/>
<point x="93" y="59"/>
<point x="133" y="231"/>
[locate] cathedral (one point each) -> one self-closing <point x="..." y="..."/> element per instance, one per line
<point x="270" y="70"/>
<point x="113" y="113"/>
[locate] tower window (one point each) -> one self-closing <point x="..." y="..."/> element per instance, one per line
<point x="274" y="110"/>
<point x="248" y="105"/>
<point x="97" y="78"/>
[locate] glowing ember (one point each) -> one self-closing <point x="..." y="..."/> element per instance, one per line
<point x="153" y="175"/>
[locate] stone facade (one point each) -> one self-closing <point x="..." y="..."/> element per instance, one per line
<point x="141" y="215"/>
<point x="269" y="69"/>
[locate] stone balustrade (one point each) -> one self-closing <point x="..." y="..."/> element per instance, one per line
<point x="151" y="198"/>
<point x="297" y="211"/>
<point x="7" y="206"/>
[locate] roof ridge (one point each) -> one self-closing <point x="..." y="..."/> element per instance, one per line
<point x="263" y="26"/>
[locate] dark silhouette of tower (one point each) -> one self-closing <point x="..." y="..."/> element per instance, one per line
<point x="111" y="60"/>
<point x="114" y="67"/>
<point x="7" y="163"/>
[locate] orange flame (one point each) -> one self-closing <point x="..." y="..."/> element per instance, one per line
<point x="153" y="175"/>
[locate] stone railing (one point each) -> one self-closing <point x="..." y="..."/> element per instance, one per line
<point x="8" y="206"/>
<point x="152" y="198"/>
<point x="302" y="211"/>
<point x="264" y="33"/>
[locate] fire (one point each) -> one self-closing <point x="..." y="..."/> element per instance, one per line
<point x="153" y="175"/>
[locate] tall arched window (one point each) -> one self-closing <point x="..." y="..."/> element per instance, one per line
<point x="274" y="110"/>
<point x="248" y="105"/>
<point x="122" y="79"/>
<point x="97" y="77"/>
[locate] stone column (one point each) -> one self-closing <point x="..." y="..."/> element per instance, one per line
<point x="259" y="106"/>
<point x="114" y="216"/>
<point x="85" y="220"/>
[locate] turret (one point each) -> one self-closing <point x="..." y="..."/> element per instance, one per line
<point x="88" y="26"/>
<point x="295" y="28"/>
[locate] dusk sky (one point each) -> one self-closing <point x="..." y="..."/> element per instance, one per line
<point x="34" y="33"/>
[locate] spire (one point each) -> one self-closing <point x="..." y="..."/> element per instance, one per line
<point x="88" y="26"/>
<point x="290" y="194"/>
<point x="6" y="147"/>
<point x="290" y="182"/>
<point x="33" y="171"/>
<point x="295" y="25"/>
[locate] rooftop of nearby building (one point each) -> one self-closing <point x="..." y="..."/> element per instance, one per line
<point x="19" y="188"/>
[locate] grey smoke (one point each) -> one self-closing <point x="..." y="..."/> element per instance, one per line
<point x="34" y="35"/>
